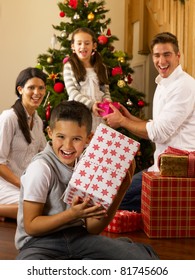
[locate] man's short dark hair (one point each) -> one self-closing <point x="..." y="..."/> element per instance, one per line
<point x="163" y="38"/>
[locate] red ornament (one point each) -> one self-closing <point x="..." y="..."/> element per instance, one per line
<point x="48" y="112"/>
<point x="140" y="103"/>
<point x="59" y="87"/>
<point x="62" y="14"/>
<point x="102" y="40"/>
<point x="73" y="4"/>
<point x="129" y="78"/>
<point x="117" y="71"/>
<point x="108" y="34"/>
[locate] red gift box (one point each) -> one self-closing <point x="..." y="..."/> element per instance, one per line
<point x="105" y="106"/>
<point x="102" y="168"/>
<point x="125" y="221"/>
<point x="168" y="206"/>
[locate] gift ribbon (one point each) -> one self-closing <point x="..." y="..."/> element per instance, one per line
<point x="178" y="152"/>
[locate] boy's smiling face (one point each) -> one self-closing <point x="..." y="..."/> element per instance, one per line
<point x="68" y="140"/>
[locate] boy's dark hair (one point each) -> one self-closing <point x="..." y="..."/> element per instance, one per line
<point x="21" y="80"/>
<point x="72" y="111"/>
<point x="165" y="37"/>
<point x="96" y="61"/>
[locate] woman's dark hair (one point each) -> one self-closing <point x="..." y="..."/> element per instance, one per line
<point x="163" y="38"/>
<point x="72" y="111"/>
<point x="96" y="61"/>
<point x="19" y="110"/>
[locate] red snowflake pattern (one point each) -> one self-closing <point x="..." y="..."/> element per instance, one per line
<point x="118" y="166"/>
<point x="100" y="159"/>
<point x="105" y="151"/>
<point x="113" y="152"/>
<point x="109" y="143"/>
<point x="113" y="174"/>
<point x="104" y="192"/>
<point x="122" y="157"/>
<point x="100" y="178"/>
<point x="104" y="169"/>
<point x="117" y="144"/>
<point x="109" y="161"/>
<point x="100" y="139"/>
<point x="109" y="183"/>
<point x="95" y="187"/>
<point x="126" y="149"/>
<point x="82" y="173"/>
<point x="78" y="182"/>
<point x="87" y="164"/>
<point x="96" y="147"/>
<point x="91" y="155"/>
<point x="104" y="130"/>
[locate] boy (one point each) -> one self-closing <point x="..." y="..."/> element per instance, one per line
<point x="47" y="227"/>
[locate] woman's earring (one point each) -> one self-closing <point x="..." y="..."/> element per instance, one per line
<point x="73" y="50"/>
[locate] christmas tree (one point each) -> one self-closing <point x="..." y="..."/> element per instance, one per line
<point x="91" y="14"/>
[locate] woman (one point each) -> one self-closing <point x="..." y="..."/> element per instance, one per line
<point x="21" y="137"/>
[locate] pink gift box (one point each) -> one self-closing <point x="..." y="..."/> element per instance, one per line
<point x="102" y="168"/>
<point x="125" y="221"/>
<point x="105" y="106"/>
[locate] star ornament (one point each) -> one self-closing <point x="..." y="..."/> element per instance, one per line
<point x="53" y="76"/>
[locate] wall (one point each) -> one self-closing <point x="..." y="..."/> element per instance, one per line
<point x="144" y="71"/>
<point x="26" y="30"/>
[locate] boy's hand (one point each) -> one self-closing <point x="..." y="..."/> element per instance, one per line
<point x="81" y="209"/>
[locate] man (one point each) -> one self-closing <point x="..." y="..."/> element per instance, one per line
<point x="173" y="122"/>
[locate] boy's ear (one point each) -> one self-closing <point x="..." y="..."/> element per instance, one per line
<point x="49" y="132"/>
<point x="89" y="137"/>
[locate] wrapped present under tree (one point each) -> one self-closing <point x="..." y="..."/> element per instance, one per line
<point x="168" y="206"/>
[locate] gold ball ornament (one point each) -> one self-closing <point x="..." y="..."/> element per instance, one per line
<point x="90" y="16"/>
<point x="121" y="83"/>
<point x="49" y="59"/>
<point x="121" y="59"/>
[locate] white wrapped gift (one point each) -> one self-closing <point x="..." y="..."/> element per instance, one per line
<point x="103" y="166"/>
